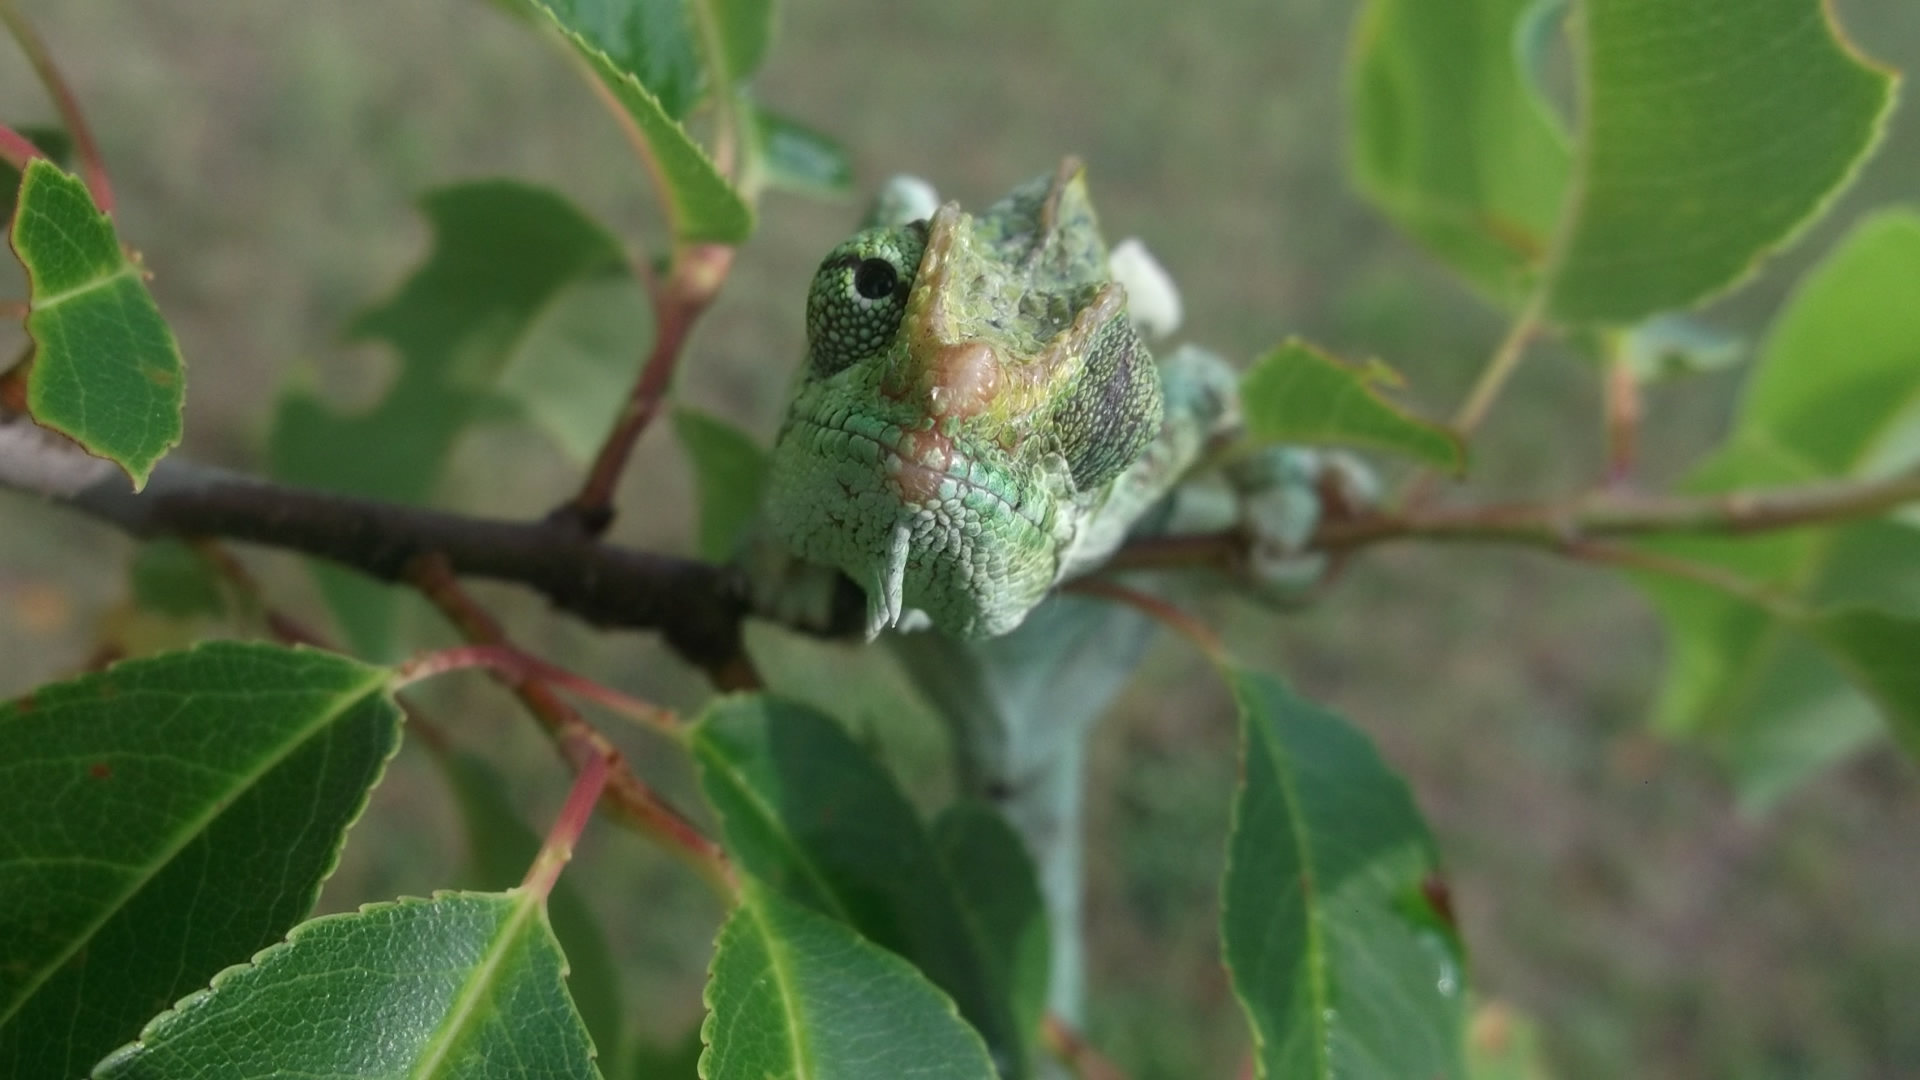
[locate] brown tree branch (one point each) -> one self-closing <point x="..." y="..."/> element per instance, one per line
<point x="1562" y="527"/>
<point x="698" y="607"/>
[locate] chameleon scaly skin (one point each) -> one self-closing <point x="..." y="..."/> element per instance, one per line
<point x="977" y="419"/>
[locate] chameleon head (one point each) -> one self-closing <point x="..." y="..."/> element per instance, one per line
<point x="972" y="386"/>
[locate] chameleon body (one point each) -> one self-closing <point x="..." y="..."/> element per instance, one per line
<point x="977" y="419"/>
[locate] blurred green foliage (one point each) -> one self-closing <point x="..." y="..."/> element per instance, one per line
<point x="267" y="159"/>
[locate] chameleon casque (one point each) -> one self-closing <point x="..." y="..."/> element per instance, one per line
<point x="977" y="419"/>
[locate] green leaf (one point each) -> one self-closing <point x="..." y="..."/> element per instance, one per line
<point x="1839" y="381"/>
<point x="506" y="256"/>
<point x="1340" y="959"/>
<point x="745" y="29"/>
<point x="162" y="820"/>
<point x="500" y="848"/>
<point x="106" y="371"/>
<point x="1833" y="395"/>
<point x="794" y="995"/>
<point x="171" y="578"/>
<point x="1715" y="130"/>
<point x="465" y="985"/>
<point x="1296" y="393"/>
<point x="650" y="40"/>
<point x="1000" y="897"/>
<point x="806" y="810"/>
<point x="797" y="158"/>
<point x="570" y="374"/>
<point x="1712" y="132"/>
<point x="1745" y="679"/>
<point x="729" y="472"/>
<point x="1451" y="142"/>
<point x="1018" y="709"/>
<point x="1881" y="653"/>
<point x="702" y="206"/>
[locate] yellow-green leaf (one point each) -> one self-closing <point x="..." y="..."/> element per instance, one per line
<point x="1712" y="132"/>
<point x="1450" y="140"/>
<point x="1298" y="394"/>
<point x="702" y="206"/>
<point x="1834" y="395"/>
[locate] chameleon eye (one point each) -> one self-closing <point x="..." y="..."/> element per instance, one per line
<point x="859" y="296"/>
<point x="875" y="279"/>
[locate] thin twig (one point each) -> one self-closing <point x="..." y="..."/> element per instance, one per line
<point x="17" y="150"/>
<point x="689" y="287"/>
<point x="557" y="850"/>
<point x="629" y="799"/>
<point x="93" y="167"/>
<point x="516" y="664"/>
<point x="1486" y="389"/>
<point x="13" y="385"/>
<point x="1623" y="409"/>
<point x="1556" y="526"/>
<point x="1195" y="631"/>
<point x="1506" y="360"/>
<point x="1074" y="1052"/>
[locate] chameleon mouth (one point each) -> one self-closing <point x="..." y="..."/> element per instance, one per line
<point x="932" y="477"/>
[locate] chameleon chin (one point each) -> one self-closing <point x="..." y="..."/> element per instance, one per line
<point x="977" y="418"/>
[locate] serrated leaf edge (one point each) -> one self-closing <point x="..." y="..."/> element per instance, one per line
<point x="602" y="66"/>
<point x="189" y="1003"/>
<point x="1317" y="978"/>
<point x="1573" y="200"/>
<point x="752" y="892"/>
<point x="767" y="815"/>
<point x="377" y="681"/>
<point x="1371" y="376"/>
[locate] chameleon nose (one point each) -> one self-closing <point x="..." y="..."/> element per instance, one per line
<point x="961" y="379"/>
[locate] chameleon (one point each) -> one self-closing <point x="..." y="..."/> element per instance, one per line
<point x="977" y="418"/>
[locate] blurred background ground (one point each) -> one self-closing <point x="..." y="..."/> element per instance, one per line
<point x="266" y="158"/>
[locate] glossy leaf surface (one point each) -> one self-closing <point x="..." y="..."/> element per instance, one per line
<point x="162" y="820"/>
<point x="465" y="986"/>
<point x="1450" y="140"/>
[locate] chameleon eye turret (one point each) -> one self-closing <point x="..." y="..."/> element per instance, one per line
<point x="859" y="295"/>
